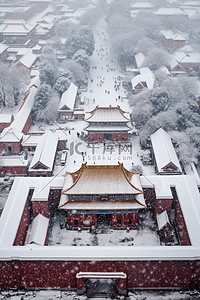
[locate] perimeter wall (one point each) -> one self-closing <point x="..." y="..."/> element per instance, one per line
<point x="62" y="274"/>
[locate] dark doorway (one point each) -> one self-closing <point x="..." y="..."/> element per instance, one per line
<point x="103" y="219"/>
<point x="101" y="288"/>
<point x="108" y="136"/>
<point x="9" y="149"/>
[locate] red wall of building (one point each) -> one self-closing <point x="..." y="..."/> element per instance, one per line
<point x="61" y="144"/>
<point x="127" y="219"/>
<point x="183" y="233"/>
<point x="172" y="45"/>
<point x="18" y="170"/>
<point x="23" y="227"/>
<point x="95" y="137"/>
<point x="40" y="207"/>
<point x="163" y="204"/>
<point x="4" y="125"/>
<point x="85" y="220"/>
<point x="38" y="174"/>
<point x="140" y="274"/>
<point x="14" y="146"/>
<point x="27" y="124"/>
<point x="4" y="55"/>
<point x="120" y="137"/>
<point x="149" y="196"/>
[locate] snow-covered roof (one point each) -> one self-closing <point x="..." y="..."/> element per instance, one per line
<point x="141" y="4"/>
<point x="173" y="34"/>
<point x="68" y="98"/>
<point x="107" y="128"/>
<point x="5" y="118"/>
<point x="102" y="180"/>
<point x="12" y="161"/>
<point x="28" y="59"/>
<point x="3" y="47"/>
<point x="192" y="3"/>
<point x="45" y="152"/>
<point x="15" y="27"/>
<point x="169" y="11"/>
<point x="107" y="114"/>
<point x="139" y="58"/>
<point x="181" y="57"/>
<point x="145" y="79"/>
<point x="162" y="219"/>
<point x="37" y="231"/>
<point x="164" y="152"/>
<point x="30" y="140"/>
<point x="41" y="191"/>
<point x="190" y="169"/>
<point x="13" y="133"/>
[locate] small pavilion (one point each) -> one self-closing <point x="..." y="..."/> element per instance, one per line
<point x="107" y="123"/>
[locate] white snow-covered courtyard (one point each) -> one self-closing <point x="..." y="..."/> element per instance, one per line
<point x="144" y="235"/>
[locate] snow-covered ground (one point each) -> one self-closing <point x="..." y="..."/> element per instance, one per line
<point x="145" y="235"/>
<point x="67" y="295"/>
<point x="105" y="86"/>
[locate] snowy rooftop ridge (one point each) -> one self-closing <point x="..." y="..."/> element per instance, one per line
<point x="68" y="98"/>
<point x="28" y="59"/>
<point x="107" y="114"/>
<point x="164" y="152"/>
<point x="14" y="131"/>
<point x="45" y="152"/>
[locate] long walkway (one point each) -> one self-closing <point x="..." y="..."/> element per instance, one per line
<point x="105" y="79"/>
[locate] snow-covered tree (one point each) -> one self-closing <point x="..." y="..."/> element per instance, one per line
<point x="16" y="82"/>
<point x="42" y="97"/>
<point x="156" y="58"/>
<point x="3" y="82"/>
<point x="50" y="113"/>
<point x="82" y="59"/>
<point x="80" y="39"/>
<point x="78" y="74"/>
<point x="63" y="82"/>
<point x="48" y="66"/>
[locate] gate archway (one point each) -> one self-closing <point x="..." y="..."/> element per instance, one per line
<point x="114" y="279"/>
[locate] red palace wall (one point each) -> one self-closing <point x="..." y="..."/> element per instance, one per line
<point x="95" y="137"/>
<point x="14" y="146"/>
<point x="4" y="125"/>
<point x="23" y="227"/>
<point x="27" y="125"/>
<point x="163" y="204"/>
<point x="38" y="174"/>
<point x="40" y="207"/>
<point x="140" y="274"/>
<point x="120" y="137"/>
<point x="18" y="170"/>
<point x="127" y="219"/>
<point x="183" y="233"/>
<point x="172" y="45"/>
<point x="62" y="145"/>
<point x="29" y="148"/>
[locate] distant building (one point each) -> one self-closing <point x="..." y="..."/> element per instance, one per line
<point x="107" y="123"/>
<point x="43" y="160"/>
<point x="165" y="156"/>
<point x="67" y="103"/>
<point x="173" y="39"/>
<point x="16" y="31"/>
<point x="145" y="79"/>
